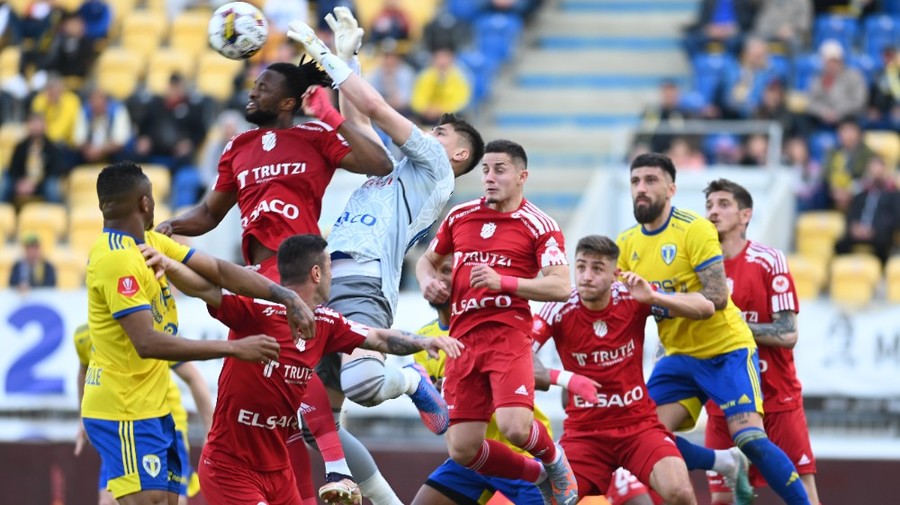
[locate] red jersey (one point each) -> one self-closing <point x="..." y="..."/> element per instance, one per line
<point x="257" y="405"/>
<point x="280" y="176"/>
<point x="606" y="346"/>
<point x="761" y="285"/>
<point x="518" y="243"/>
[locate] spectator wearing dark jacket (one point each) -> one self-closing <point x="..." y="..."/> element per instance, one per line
<point x="722" y="22"/>
<point x="36" y="167"/>
<point x="874" y="213"/>
<point x="32" y="271"/>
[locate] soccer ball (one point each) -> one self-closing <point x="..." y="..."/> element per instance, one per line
<point x="238" y="30"/>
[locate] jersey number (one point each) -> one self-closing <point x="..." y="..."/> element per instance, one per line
<point x="21" y="377"/>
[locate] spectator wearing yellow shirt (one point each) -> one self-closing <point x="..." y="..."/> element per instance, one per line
<point x="440" y="88"/>
<point x="60" y="108"/>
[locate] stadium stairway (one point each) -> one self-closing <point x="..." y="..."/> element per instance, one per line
<point x="584" y="73"/>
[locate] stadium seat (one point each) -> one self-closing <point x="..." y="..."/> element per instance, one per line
<point x="163" y="64"/>
<point x="809" y="275"/>
<point x="892" y="275"/>
<point x="9" y="62"/>
<point x="420" y="12"/>
<point x="120" y="9"/>
<point x="8" y="256"/>
<point x="840" y="28"/>
<point x="7" y="222"/>
<point x="189" y="32"/>
<point x="46" y="220"/>
<point x="118" y="71"/>
<point x="806" y="66"/>
<point x="215" y="75"/>
<point x="885" y="143"/>
<point x="879" y="33"/>
<point x="70" y="267"/>
<point x="161" y="179"/>
<point x="817" y="232"/>
<point x="161" y="213"/>
<point x="481" y="73"/>
<point x="465" y="10"/>
<point x="10" y="135"/>
<point x="497" y="35"/>
<point x="710" y="73"/>
<point x="82" y="185"/>
<point x="143" y="31"/>
<point x="854" y="278"/>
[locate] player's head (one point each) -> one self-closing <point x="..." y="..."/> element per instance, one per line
<point x="278" y="91"/>
<point x="445" y="275"/>
<point x="652" y="185"/>
<point x="504" y="170"/>
<point x="596" y="257"/>
<point x="125" y="191"/>
<point x="461" y="140"/>
<point x="304" y="262"/>
<point x="729" y="206"/>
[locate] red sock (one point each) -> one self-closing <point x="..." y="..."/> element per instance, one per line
<point x="539" y="443"/>
<point x="498" y="460"/>
<point x="301" y="465"/>
<point x="320" y="421"/>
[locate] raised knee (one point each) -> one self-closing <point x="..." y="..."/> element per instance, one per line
<point x="680" y="494"/>
<point x="462" y="454"/>
<point x="517" y="435"/>
<point x="363" y="381"/>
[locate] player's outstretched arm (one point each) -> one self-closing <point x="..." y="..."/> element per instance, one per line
<point x="552" y="286"/>
<point x="689" y="305"/>
<point x="366" y="99"/>
<point x="403" y="343"/>
<point x="199" y="391"/>
<point x="715" y="287"/>
<point x="781" y="332"/>
<point x="433" y="289"/>
<point x="541" y="373"/>
<point x="202" y="218"/>
<point x="81" y="436"/>
<point x="182" y="277"/>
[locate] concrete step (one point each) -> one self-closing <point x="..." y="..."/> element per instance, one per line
<point x="544" y="62"/>
<point x="574" y="101"/>
<point x="563" y="146"/>
<point x="589" y="24"/>
<point x="674" y="6"/>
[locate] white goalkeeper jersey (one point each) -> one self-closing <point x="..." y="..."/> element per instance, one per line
<point x="387" y="215"/>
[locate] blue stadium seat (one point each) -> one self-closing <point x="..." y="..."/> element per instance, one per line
<point x="867" y="65"/>
<point x="496" y="36"/>
<point x="841" y="28"/>
<point x="781" y="65"/>
<point x="710" y="74"/>
<point x="806" y="66"/>
<point x="481" y="73"/>
<point x="880" y="32"/>
<point x="465" y="10"/>
<point x="891" y="7"/>
<point x="820" y="143"/>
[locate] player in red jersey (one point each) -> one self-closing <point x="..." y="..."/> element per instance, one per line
<point x="245" y="459"/>
<point x="599" y="333"/>
<point x="762" y="287"/>
<point x="499" y="243"/>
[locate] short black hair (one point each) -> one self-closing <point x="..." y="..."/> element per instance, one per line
<point x="658" y="160"/>
<point x="119" y="179"/>
<point x="297" y="255"/>
<point x="298" y="78"/>
<point x="513" y="149"/>
<point x="740" y="193"/>
<point x="598" y="245"/>
<point x="468" y="132"/>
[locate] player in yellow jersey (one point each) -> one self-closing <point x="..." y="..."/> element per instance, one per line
<point x="188" y="373"/>
<point x="678" y="251"/>
<point x="133" y="325"/>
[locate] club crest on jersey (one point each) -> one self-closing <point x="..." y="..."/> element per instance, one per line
<point x="600" y="328"/>
<point x="668" y="253"/>
<point x="268" y="141"/>
<point x="487" y="231"/>
<point x="151" y="464"/>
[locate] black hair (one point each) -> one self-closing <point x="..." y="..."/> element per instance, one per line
<point x="471" y="136"/>
<point x="297" y="255"/>
<point x="297" y="78"/>
<point x="118" y="180"/>
<point x="598" y="245"/>
<point x="515" y="150"/>
<point x="740" y="193"/>
<point x="658" y="160"/>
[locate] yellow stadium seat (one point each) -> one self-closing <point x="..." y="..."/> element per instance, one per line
<point x="420" y="12"/>
<point x="215" y="75"/>
<point x="85" y="225"/>
<point x="161" y="213"/>
<point x="163" y="64"/>
<point x="70" y="268"/>
<point x="7" y="222"/>
<point x="9" y="62"/>
<point x="824" y="222"/>
<point x="816" y="246"/>
<point x="144" y="30"/>
<point x="854" y="278"/>
<point x="9" y="254"/>
<point x="10" y="135"/>
<point x="189" y="32"/>
<point x="809" y="275"/>
<point x="46" y="220"/>
<point x="120" y="10"/>
<point x="161" y="179"/>
<point x="68" y="5"/>
<point x="886" y="143"/>
<point x="118" y="71"/>
<point x="892" y="274"/>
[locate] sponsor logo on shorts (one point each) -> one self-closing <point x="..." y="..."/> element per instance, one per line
<point x="522" y="390"/>
<point x="151" y="464"/>
<point x="804" y="460"/>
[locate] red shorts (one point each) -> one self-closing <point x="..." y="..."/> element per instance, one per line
<point x="494" y="370"/>
<point x="787" y="429"/>
<point x="228" y="484"/>
<point x="595" y="455"/>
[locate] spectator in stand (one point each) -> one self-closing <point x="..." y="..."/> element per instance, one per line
<point x="10" y="25"/>
<point x="60" y="108"/>
<point x="884" y="100"/>
<point x="446" y="31"/>
<point x="36" y="168"/>
<point x="32" y="271"/>
<point x="720" y="22"/>
<point x="772" y="107"/>
<point x="70" y="53"/>
<point x="685" y="154"/>
<point x="394" y="78"/>
<point x="391" y="22"/>
<point x="785" y="21"/>
<point x="809" y="182"/>
<point x="169" y="134"/>
<point x="756" y="151"/>
<point x="726" y="150"/>
<point x="97" y="17"/>
<point x="747" y="82"/>
<point x="874" y="213"/>
<point x="668" y="112"/>
<point x="35" y="24"/>
<point x="846" y="164"/>
<point x="838" y="91"/>
<point x="440" y="88"/>
<point x="103" y="128"/>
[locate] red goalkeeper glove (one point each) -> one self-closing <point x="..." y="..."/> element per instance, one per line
<point x="316" y="102"/>
<point x="577" y="384"/>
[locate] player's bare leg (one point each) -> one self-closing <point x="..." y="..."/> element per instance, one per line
<point x="672" y="415"/>
<point x="428" y="495"/>
<point x="809" y="482"/>
<point x="670" y="479"/>
<point x="106" y="498"/>
<point x="149" y="498"/>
